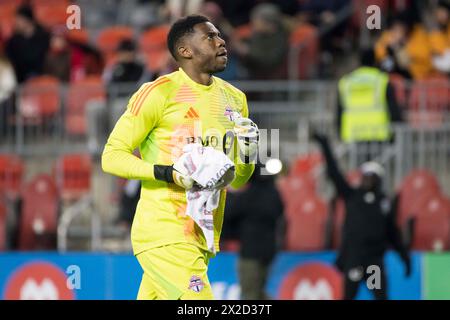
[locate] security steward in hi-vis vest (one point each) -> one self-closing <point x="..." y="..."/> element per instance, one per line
<point x="366" y="104"/>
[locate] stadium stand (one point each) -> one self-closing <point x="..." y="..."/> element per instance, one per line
<point x="72" y="174"/>
<point x="40" y="99"/>
<point x="306" y="224"/>
<point x="38" y="221"/>
<point x="78" y="95"/>
<point x="11" y="175"/>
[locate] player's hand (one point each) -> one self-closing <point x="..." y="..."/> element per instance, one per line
<point x="181" y="175"/>
<point x="182" y="180"/>
<point x="247" y="134"/>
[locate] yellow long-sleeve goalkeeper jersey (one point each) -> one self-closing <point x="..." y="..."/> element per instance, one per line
<point x="161" y="117"/>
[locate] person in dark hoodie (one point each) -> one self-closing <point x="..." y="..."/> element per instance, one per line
<point x="369" y="227"/>
<point x="27" y="47"/>
<point x="258" y="211"/>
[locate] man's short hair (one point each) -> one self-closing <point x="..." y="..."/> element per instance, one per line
<point x="180" y="28"/>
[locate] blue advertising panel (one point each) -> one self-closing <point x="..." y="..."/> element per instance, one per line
<point x="117" y="276"/>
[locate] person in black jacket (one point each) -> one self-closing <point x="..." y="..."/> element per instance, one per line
<point x="28" y="46"/>
<point x="369" y="227"/>
<point x="258" y="211"/>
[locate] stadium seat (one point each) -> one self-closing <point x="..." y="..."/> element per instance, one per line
<point x="306" y="164"/>
<point x="416" y="188"/>
<point x="153" y="45"/>
<point x="109" y="39"/>
<point x="399" y="84"/>
<point x="7" y="13"/>
<point x="294" y="189"/>
<point x="79" y="93"/>
<point x="40" y="99"/>
<point x="72" y="174"/>
<point x="39" y="216"/>
<point x="430" y="94"/>
<point x="305" y="37"/>
<point x="306" y="226"/>
<point x="11" y="173"/>
<point x="51" y="15"/>
<point x="432" y="225"/>
<point x="78" y="35"/>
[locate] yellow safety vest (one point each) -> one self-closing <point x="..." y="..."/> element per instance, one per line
<point x="365" y="115"/>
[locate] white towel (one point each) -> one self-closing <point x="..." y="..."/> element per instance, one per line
<point x="206" y="166"/>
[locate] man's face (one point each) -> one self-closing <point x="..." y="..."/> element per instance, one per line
<point x="207" y="48"/>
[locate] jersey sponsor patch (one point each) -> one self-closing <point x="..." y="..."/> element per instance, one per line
<point x="196" y="284"/>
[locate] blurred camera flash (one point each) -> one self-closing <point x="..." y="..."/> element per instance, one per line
<point x="273" y="166"/>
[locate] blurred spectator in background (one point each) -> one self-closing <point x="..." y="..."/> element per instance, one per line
<point x="324" y="15"/>
<point x="69" y="60"/>
<point x="439" y="36"/>
<point x="366" y="104"/>
<point x="404" y="48"/>
<point x="264" y="53"/>
<point x="369" y="227"/>
<point x="27" y="47"/>
<point x="127" y="68"/>
<point x="258" y="211"/>
<point x="123" y="77"/>
<point x="237" y="11"/>
<point x="8" y="84"/>
<point x="58" y="59"/>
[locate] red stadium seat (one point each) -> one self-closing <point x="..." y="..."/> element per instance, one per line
<point x="306" y="37"/>
<point x="109" y="39"/>
<point x="2" y="226"/>
<point x="294" y="189"/>
<point x="11" y="173"/>
<point x="399" y="85"/>
<point x="153" y="45"/>
<point x="40" y="99"/>
<point x="7" y="14"/>
<point x="416" y="187"/>
<point x="78" y="95"/>
<point x="38" y="221"/>
<point x="78" y="35"/>
<point x="432" y="225"/>
<point x="51" y="14"/>
<point x="73" y="175"/>
<point x="306" y="164"/>
<point x="430" y="94"/>
<point x="306" y="227"/>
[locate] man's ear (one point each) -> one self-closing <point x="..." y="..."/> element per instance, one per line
<point x="184" y="52"/>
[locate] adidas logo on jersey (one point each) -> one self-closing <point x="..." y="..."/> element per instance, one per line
<point x="191" y="114"/>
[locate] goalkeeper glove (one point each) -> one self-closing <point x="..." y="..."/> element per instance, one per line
<point x="247" y="134"/>
<point x="171" y="175"/>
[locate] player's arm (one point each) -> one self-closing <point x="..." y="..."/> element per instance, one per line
<point x="143" y="112"/>
<point x="243" y="169"/>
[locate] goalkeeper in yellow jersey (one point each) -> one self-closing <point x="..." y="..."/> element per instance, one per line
<point x="187" y="106"/>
